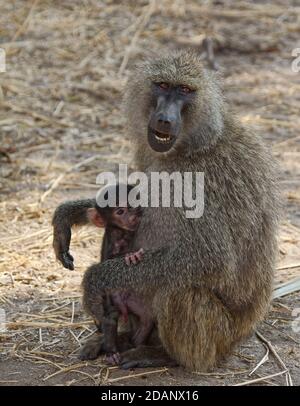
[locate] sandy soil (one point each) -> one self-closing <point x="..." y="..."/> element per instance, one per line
<point x="67" y="62"/>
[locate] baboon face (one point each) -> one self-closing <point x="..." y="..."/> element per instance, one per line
<point x="174" y="104"/>
<point x="126" y="218"/>
<point x="120" y="214"/>
<point x="166" y="120"/>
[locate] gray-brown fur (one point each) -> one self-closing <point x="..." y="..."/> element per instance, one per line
<point x="65" y="217"/>
<point x="107" y="306"/>
<point x="208" y="281"/>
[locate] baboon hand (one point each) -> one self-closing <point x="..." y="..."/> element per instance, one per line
<point x="66" y="259"/>
<point x="61" y="244"/>
<point x="134" y="257"/>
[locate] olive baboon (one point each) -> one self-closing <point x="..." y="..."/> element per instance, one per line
<point x="120" y="222"/>
<point x="207" y="281"/>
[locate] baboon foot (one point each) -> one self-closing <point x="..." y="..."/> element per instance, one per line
<point x="145" y="357"/>
<point x="92" y="348"/>
<point x="113" y="359"/>
<point x="95" y="346"/>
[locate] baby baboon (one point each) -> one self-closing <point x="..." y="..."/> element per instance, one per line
<point x="208" y="281"/>
<point x="120" y="223"/>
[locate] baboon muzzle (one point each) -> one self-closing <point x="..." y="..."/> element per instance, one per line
<point x="165" y="123"/>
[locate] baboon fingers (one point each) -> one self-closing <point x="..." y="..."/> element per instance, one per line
<point x="70" y="256"/>
<point x="127" y="259"/>
<point x="138" y="257"/>
<point x="139" y="254"/>
<point x="130" y="259"/>
<point x="134" y="257"/>
<point x="67" y="260"/>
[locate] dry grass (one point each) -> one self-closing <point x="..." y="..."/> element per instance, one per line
<point x="61" y="125"/>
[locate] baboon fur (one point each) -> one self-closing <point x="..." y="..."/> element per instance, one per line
<point x="208" y="280"/>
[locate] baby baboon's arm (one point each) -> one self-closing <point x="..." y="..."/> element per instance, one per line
<point x="65" y="216"/>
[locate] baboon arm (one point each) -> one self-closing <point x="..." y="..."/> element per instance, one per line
<point x="171" y="266"/>
<point x="65" y="216"/>
<point x="114" y="273"/>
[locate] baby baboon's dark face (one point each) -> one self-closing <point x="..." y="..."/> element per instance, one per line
<point x="166" y="120"/>
<point x="126" y="218"/>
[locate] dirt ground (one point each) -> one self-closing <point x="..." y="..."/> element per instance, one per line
<point x="61" y="124"/>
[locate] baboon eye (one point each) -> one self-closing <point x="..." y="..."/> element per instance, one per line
<point x="120" y="212"/>
<point x="163" y="85"/>
<point x="185" y="89"/>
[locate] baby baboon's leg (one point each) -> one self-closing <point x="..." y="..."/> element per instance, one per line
<point x="94" y="307"/>
<point x="100" y="306"/>
<point x="110" y="327"/>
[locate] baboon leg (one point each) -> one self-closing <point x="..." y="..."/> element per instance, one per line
<point x="214" y="329"/>
<point x="146" y="356"/>
<point x="124" y="341"/>
<point x="110" y="325"/>
<point x="93" y="304"/>
<point x="143" y="332"/>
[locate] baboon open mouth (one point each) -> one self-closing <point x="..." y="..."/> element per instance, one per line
<point x="162" y="137"/>
<point x="160" y="142"/>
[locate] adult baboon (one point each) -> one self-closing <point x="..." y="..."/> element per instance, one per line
<point x="208" y="281"/>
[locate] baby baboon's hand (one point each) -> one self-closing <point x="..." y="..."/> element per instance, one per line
<point x="134" y="257"/>
<point x="61" y="244"/>
<point x="67" y="260"/>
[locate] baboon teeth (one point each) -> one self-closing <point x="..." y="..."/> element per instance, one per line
<point x="165" y="139"/>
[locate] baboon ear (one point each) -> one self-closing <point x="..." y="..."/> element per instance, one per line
<point x="95" y="218"/>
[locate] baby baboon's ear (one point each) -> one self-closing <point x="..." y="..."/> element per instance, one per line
<point x="95" y="218"/>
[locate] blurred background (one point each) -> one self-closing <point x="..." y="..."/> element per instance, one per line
<point x="61" y="123"/>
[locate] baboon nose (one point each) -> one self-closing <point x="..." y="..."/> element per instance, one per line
<point x="164" y="121"/>
<point x="164" y="125"/>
